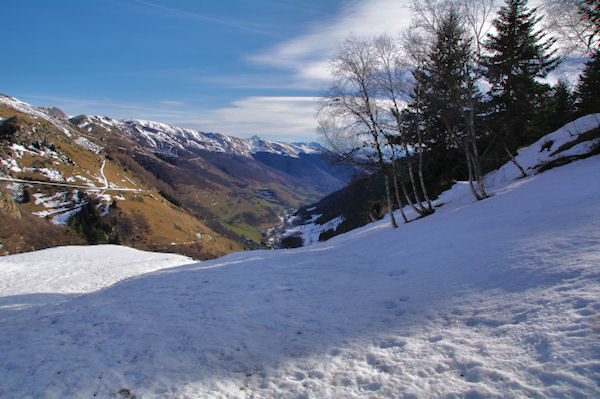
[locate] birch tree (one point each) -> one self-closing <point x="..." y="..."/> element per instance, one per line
<point x="404" y="139"/>
<point x="350" y="119"/>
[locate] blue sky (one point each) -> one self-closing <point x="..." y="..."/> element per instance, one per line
<point x="239" y="67"/>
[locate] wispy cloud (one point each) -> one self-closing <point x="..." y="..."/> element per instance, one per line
<point x="307" y="56"/>
<point x="275" y="118"/>
<point x="208" y="19"/>
<point x="172" y="103"/>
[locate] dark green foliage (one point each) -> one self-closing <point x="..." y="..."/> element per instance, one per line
<point x="170" y="198"/>
<point x="87" y="223"/>
<point x="292" y="241"/>
<point x="590" y="10"/>
<point x="557" y="108"/>
<point x="519" y="56"/>
<point x="9" y="128"/>
<point x="115" y="227"/>
<point x="588" y="89"/>
<point x="442" y="81"/>
<point x="26" y="196"/>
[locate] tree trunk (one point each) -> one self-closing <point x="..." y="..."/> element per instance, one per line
<point x="389" y="200"/>
<point x="470" y="167"/>
<point x="419" y="135"/>
<point x="422" y="179"/>
<point x="513" y="159"/>
<point x="411" y="175"/>
<point x="398" y="193"/>
<point x="477" y="169"/>
<point x="371" y="217"/>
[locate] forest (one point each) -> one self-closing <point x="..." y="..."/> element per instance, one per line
<point x="458" y="93"/>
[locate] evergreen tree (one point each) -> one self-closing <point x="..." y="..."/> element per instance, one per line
<point x="560" y="110"/>
<point x="450" y="100"/>
<point x="519" y="56"/>
<point x="588" y="89"/>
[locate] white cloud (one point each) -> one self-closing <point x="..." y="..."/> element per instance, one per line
<point x="275" y="118"/>
<point x="308" y="56"/>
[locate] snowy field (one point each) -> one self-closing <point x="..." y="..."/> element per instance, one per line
<point x="498" y="298"/>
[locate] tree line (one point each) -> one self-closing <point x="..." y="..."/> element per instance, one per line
<point x="457" y="94"/>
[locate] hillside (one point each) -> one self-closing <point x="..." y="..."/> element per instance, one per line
<point x="349" y="207"/>
<point x="184" y="191"/>
<point x="490" y="299"/>
<point x="51" y="170"/>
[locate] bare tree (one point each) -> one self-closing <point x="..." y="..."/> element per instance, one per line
<point x="350" y="118"/>
<point x="397" y="86"/>
<point x="575" y="33"/>
<point x="428" y="16"/>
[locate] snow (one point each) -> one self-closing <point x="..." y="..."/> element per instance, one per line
<point x="88" y="145"/>
<point x="52" y="174"/>
<point x="172" y="139"/>
<point x="77" y="269"/>
<point x="20" y="150"/>
<point x="497" y="298"/>
<point x="11" y="164"/>
<point x="534" y="155"/>
<point x="35" y="112"/>
<point x="310" y="231"/>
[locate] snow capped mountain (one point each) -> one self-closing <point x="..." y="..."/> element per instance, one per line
<point x="175" y="139"/>
<point x="169" y="138"/>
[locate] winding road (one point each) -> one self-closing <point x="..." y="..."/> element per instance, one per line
<point x="89" y="188"/>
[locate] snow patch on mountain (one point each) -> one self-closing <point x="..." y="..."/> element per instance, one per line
<point x="36" y="112"/>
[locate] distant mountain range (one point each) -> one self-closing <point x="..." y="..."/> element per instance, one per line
<point x="227" y="190"/>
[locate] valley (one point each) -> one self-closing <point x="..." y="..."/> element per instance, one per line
<point x="198" y="194"/>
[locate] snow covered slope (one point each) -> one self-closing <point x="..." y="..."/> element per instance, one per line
<point x="498" y="298"/>
<point x="573" y="141"/>
<point x="78" y="269"/>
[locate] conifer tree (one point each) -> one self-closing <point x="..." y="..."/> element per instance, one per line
<point x="560" y="108"/>
<point x="518" y="56"/>
<point x="588" y="100"/>
<point x="588" y="89"/>
<point x="451" y="102"/>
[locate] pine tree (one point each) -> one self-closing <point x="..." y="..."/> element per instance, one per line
<point x="558" y="108"/>
<point x="562" y="107"/>
<point x="450" y="103"/>
<point x="519" y="56"/>
<point x="588" y="89"/>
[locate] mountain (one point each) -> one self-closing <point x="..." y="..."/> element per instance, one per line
<point x="301" y="163"/>
<point x="483" y="299"/>
<point x="221" y="192"/>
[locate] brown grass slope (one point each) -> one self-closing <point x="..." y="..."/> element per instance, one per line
<point x="36" y="149"/>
